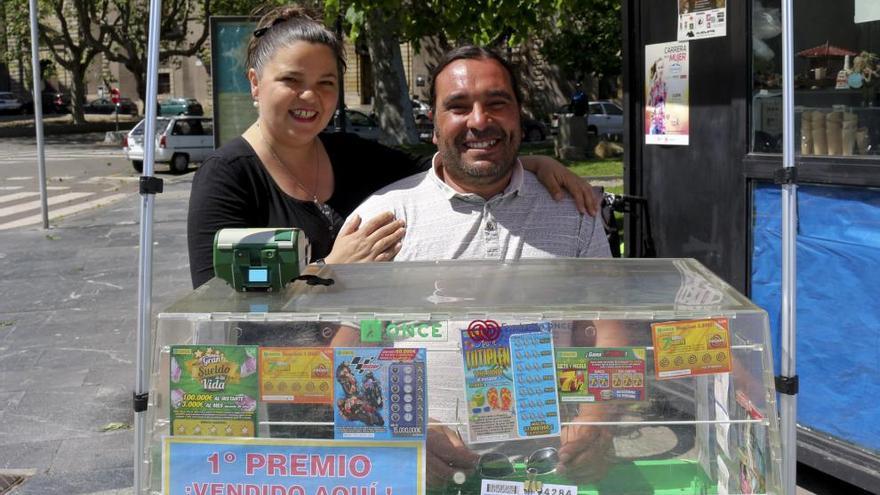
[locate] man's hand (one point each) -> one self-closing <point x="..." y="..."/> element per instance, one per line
<point x="587" y="451"/>
<point x="376" y="240"/>
<point x="556" y="177"/>
<point x="446" y="455"/>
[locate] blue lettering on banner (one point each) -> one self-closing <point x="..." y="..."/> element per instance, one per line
<point x="272" y="466"/>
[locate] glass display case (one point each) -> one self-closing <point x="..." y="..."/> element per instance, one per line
<point x="561" y="376"/>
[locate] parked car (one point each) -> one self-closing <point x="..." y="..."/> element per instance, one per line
<point x="55" y="102"/>
<point x="358" y="123"/>
<point x="180" y="106"/>
<point x="179" y="142"/>
<point x="421" y="111"/>
<point x="604" y="118"/>
<point x="533" y="130"/>
<point x="106" y="106"/>
<point x="10" y="103"/>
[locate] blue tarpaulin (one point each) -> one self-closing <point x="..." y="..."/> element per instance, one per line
<point x="838" y="303"/>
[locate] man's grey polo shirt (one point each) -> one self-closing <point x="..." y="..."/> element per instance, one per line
<point x="524" y="221"/>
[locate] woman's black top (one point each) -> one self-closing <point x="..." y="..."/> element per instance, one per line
<point x="233" y="189"/>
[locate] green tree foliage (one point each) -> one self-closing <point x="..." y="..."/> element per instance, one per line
<point x="386" y="23"/>
<point x="67" y="40"/>
<point x="585" y="39"/>
<point x="16" y="33"/>
<point x="64" y="28"/>
<point x="123" y="35"/>
<point x="582" y="37"/>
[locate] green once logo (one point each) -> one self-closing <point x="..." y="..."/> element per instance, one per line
<point x="375" y="331"/>
<point x="371" y="331"/>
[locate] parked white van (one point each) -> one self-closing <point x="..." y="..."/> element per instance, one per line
<point x="179" y="141"/>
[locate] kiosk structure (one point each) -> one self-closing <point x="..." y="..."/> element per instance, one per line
<point x="362" y="386"/>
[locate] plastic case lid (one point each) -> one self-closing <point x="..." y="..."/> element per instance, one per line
<point x="563" y="288"/>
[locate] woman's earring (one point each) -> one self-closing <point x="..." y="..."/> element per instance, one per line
<point x="256" y="104"/>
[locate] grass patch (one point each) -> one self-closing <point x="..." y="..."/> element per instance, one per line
<point x="615" y="189"/>
<point x="610" y="167"/>
<point x="591" y="167"/>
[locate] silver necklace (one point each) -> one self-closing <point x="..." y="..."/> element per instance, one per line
<point x="323" y="208"/>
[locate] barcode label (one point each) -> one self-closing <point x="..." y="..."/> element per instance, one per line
<point x="497" y="487"/>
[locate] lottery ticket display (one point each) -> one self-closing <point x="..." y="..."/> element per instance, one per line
<point x="537" y="377"/>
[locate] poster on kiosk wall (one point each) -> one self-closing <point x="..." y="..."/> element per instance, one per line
<point x="701" y="19"/>
<point x="667" y="94"/>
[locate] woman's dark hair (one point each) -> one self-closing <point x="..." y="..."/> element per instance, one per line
<point x="279" y="27"/>
<point x="472" y="52"/>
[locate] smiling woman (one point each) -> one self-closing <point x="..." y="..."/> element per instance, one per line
<point x="284" y="172"/>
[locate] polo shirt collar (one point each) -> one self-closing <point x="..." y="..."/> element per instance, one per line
<point x="513" y="188"/>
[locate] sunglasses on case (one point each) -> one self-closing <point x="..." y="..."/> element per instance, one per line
<point x="498" y="465"/>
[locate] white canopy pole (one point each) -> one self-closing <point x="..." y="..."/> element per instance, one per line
<point x="145" y="273"/>
<point x="38" y="111"/>
<point x="788" y="330"/>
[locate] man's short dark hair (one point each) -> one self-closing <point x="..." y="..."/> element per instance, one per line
<point x="472" y="52"/>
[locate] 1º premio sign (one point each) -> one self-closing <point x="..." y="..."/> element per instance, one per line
<point x="274" y="466"/>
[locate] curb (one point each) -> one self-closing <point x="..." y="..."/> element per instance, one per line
<point x="55" y="129"/>
<point x="114" y="137"/>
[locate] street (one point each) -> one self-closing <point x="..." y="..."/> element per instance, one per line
<point x="68" y="316"/>
<point x="82" y="173"/>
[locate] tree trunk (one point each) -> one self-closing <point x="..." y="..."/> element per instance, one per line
<point x="391" y="102"/>
<point x="4" y="49"/>
<point x="139" y="71"/>
<point x="77" y="94"/>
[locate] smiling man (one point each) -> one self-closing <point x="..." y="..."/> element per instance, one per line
<point x="477" y="201"/>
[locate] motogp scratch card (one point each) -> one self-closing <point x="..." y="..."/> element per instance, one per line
<point x="510" y="381"/>
<point x="298" y="375"/>
<point x="213" y="390"/>
<point x="597" y="374"/>
<point x="380" y="393"/>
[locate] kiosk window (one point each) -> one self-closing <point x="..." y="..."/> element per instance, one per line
<point x="836" y="78"/>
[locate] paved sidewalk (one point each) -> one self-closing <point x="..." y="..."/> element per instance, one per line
<point x="68" y="317"/>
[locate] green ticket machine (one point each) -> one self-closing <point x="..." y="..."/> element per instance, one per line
<point x="260" y="259"/>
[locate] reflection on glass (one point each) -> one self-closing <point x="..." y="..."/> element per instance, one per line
<point x="836" y="79"/>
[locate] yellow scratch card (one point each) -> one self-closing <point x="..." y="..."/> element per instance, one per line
<point x="689" y="348"/>
<point x="299" y="375"/>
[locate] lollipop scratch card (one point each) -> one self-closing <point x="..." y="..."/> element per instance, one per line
<point x="510" y="381"/>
